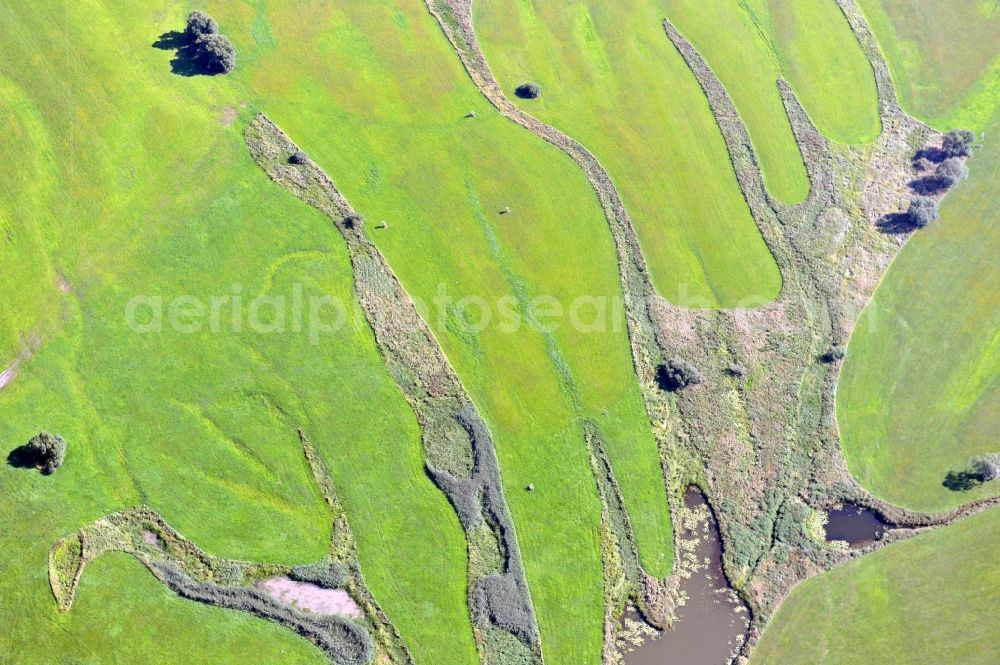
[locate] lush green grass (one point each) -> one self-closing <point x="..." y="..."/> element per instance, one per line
<point x="125" y="179"/>
<point x="823" y="61"/>
<point x="944" y="57"/>
<point x="920" y="390"/>
<point x="375" y="94"/>
<point x="931" y="599"/>
<point x="123" y="615"/>
<point x="635" y="104"/>
<point x="726" y="36"/>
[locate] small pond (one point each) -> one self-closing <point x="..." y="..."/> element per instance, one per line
<point x="712" y="624"/>
<point x="858" y="526"/>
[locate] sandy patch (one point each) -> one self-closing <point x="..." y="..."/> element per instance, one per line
<point x="228" y="116"/>
<point x="310" y="597"/>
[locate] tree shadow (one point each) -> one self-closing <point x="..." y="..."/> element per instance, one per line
<point x="962" y="481"/>
<point x="930" y="153"/>
<point x="896" y="223"/>
<point x="185" y="62"/>
<point x="929" y="185"/>
<point x="22" y="457"/>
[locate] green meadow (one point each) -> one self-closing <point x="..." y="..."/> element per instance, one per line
<point x="377" y="97"/>
<point x="735" y="48"/>
<point x="822" y="60"/>
<point x="944" y="57"/>
<point x="930" y="599"/>
<point x="121" y="179"/>
<point x="611" y="78"/>
<point x="933" y="316"/>
<point x="920" y="389"/>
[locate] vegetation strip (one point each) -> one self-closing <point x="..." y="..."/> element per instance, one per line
<point x="459" y="448"/>
<point x="192" y="573"/>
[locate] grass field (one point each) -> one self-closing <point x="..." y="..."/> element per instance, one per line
<point x="376" y="96"/>
<point x="920" y="390"/>
<point x="945" y="57"/>
<point x="927" y="599"/>
<point x="122" y="179"/>
<point x="636" y="105"/>
<point x="732" y="44"/>
<point x="823" y="61"/>
<point x="123" y="615"/>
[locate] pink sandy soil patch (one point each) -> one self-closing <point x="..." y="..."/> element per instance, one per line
<point x="310" y="597"/>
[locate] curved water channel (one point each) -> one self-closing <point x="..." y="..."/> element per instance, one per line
<point x="712" y="623"/>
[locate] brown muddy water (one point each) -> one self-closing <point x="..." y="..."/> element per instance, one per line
<point x="859" y="527"/>
<point x="712" y="623"/>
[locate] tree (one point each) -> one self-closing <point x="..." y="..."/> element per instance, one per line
<point x="200" y="23"/>
<point x="46" y="451"/>
<point x="958" y="143"/>
<point x="215" y="53"/>
<point x="528" y="90"/>
<point x="677" y="374"/>
<point x="298" y="157"/>
<point x="923" y="210"/>
<point x="951" y="171"/>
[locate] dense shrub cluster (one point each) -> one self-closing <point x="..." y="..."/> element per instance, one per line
<point x="790" y="525"/>
<point x="45" y="451"/>
<point x="528" y="90"/>
<point x="677" y="374"/>
<point x="464" y="494"/>
<point x="923" y="210"/>
<point x="958" y="143"/>
<point x="329" y="575"/>
<point x="209" y="49"/>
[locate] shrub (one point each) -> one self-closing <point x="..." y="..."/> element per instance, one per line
<point x="528" y="90"/>
<point x="298" y="157"/>
<point x="951" y="171"/>
<point x="987" y="468"/>
<point x="737" y="370"/>
<point x="677" y="374"/>
<point x="958" y="143"/>
<point x="352" y="221"/>
<point x="46" y="451"/>
<point x="200" y="23"/>
<point x="834" y="353"/>
<point x="923" y="210"/>
<point x="329" y="575"/>
<point x="215" y="53"/>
